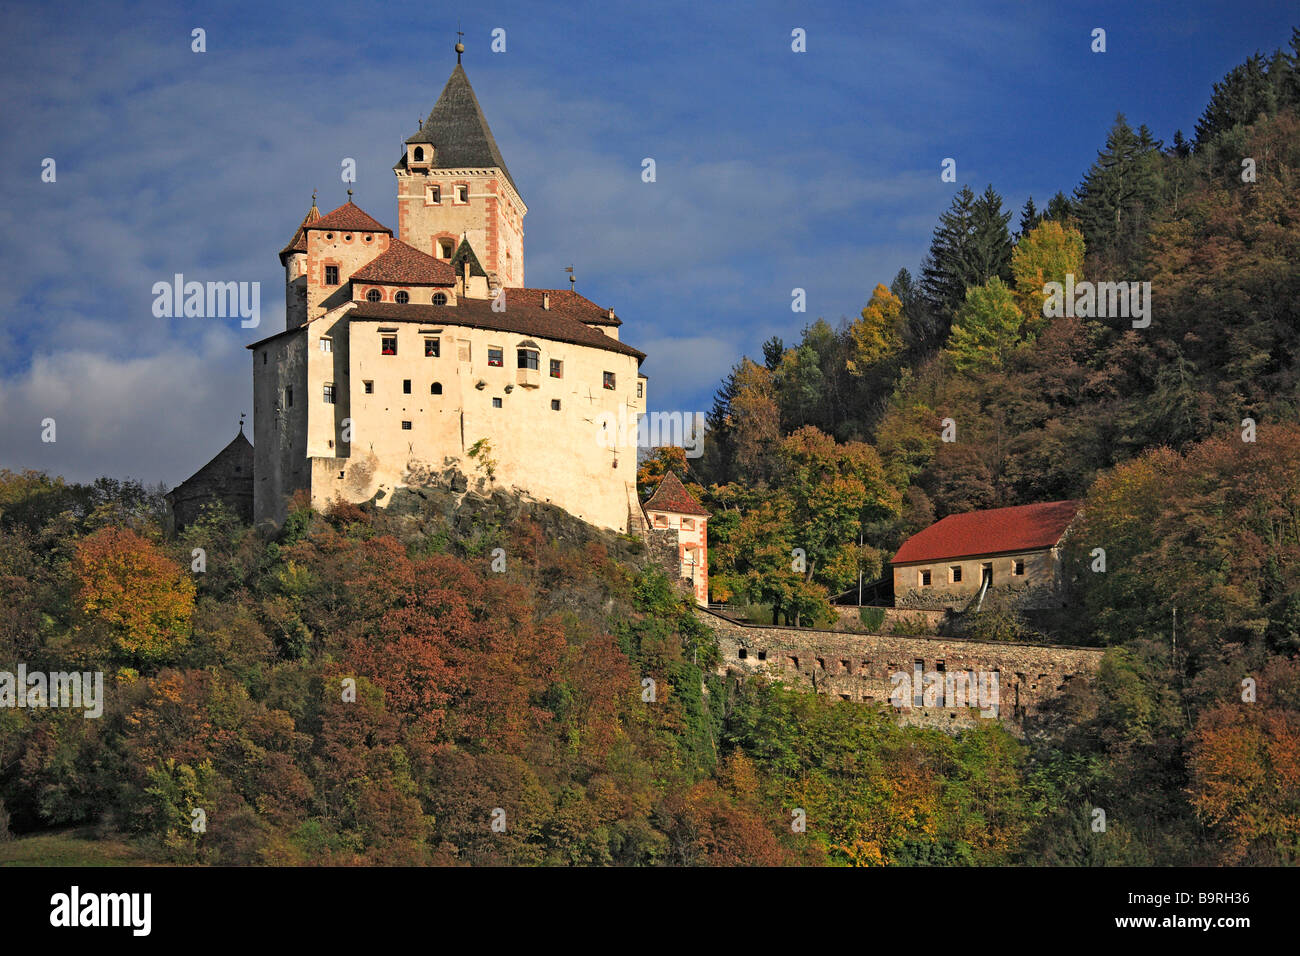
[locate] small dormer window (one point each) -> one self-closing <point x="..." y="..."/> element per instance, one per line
<point x="372" y="295"/>
<point x="419" y="154"/>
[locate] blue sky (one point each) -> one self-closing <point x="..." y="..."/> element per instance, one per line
<point x="775" y="169"/>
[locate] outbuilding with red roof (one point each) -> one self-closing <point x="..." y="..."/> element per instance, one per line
<point x="1016" y="549"/>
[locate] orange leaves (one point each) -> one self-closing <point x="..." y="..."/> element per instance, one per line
<point x="131" y="598"/>
<point x="1245" y="771"/>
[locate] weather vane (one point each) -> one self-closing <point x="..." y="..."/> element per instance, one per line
<point x="460" y="46"/>
<point x="573" y="280"/>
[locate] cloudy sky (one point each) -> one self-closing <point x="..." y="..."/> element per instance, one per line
<point x="775" y="169"/>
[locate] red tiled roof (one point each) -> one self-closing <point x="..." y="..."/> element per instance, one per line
<point x="299" y="241"/>
<point x="401" y="264"/>
<point x="671" y="495"/>
<point x="349" y="216"/>
<point x="567" y="303"/>
<point x="1001" y="530"/>
<point x="518" y="318"/>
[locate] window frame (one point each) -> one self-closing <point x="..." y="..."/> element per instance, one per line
<point x="383" y="344"/>
<point x="501" y="357"/>
<point x="557" y="368"/>
<point x="609" y="381"/>
<point x="331" y="270"/>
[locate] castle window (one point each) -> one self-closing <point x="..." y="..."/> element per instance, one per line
<point x="434" y="195"/>
<point x="496" y="403"/>
<point x="496" y="357"/>
<point x="609" y="379"/>
<point x="402" y="298"/>
<point x="555" y="404"/>
<point x="557" y="368"/>
<point x="419" y="154"/>
<point x="439" y="299"/>
<point x="329" y="394"/>
<point x="742" y="653"/>
<point x="435" y="388"/>
<point x="406" y="386"/>
<point x="528" y="358"/>
<point x="370" y="387"/>
<point x="388" y="345"/>
<point x="1018" y="567"/>
<point x="331" y="275"/>
<point x="955" y="574"/>
<point x="445" y="248"/>
<point x="762" y="655"/>
<point x="327" y="345"/>
<point x="462" y="194"/>
<point x="264" y="356"/>
<point x="288" y="396"/>
<point x="431" y="348"/>
<point x="924" y="578"/>
<point x="640" y="389"/>
<point x="406" y="426"/>
<point x="373" y="295"/>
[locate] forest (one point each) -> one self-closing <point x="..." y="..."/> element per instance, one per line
<point x="363" y="687"/>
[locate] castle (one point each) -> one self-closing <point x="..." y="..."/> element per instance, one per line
<point x="406" y="357"/>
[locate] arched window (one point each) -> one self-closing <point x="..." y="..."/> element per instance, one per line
<point x="372" y="295"/>
<point x="435" y="388"/>
<point x="403" y="298"/>
<point x="439" y="299"/>
<point x="419" y="154"/>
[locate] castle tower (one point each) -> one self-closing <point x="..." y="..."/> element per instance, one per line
<point x="673" y="508"/>
<point x="453" y="187"/>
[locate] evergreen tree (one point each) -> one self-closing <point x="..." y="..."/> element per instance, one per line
<point x="1029" y="217"/>
<point x="1117" y="196"/>
<point x="773" y="349"/>
<point x="1060" y="209"/>
<point x="1238" y="100"/>
<point x="971" y="245"/>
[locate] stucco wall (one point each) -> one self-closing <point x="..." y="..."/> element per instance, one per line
<point x="492" y="220"/>
<point x="1037" y="587"/>
<point x="692" y="538"/>
<point x="554" y="456"/>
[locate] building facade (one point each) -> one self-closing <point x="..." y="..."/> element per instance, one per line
<point x="404" y="357"/>
<point x="673" y="508"/>
<point x="1017" y="550"/>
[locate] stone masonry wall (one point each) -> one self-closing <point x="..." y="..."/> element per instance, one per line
<point x="858" y="667"/>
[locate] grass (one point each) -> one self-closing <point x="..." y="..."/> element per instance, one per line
<point x="71" y="848"/>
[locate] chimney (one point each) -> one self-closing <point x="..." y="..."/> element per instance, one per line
<point x="546" y="300"/>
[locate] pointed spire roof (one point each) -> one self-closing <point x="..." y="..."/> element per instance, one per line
<point x="671" y="495"/>
<point x="458" y="130"/>
<point x="299" y="241"/>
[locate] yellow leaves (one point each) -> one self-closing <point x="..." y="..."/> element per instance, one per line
<point x="132" y="596"/>
<point x="878" y="335"/>
<point x="1047" y="254"/>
